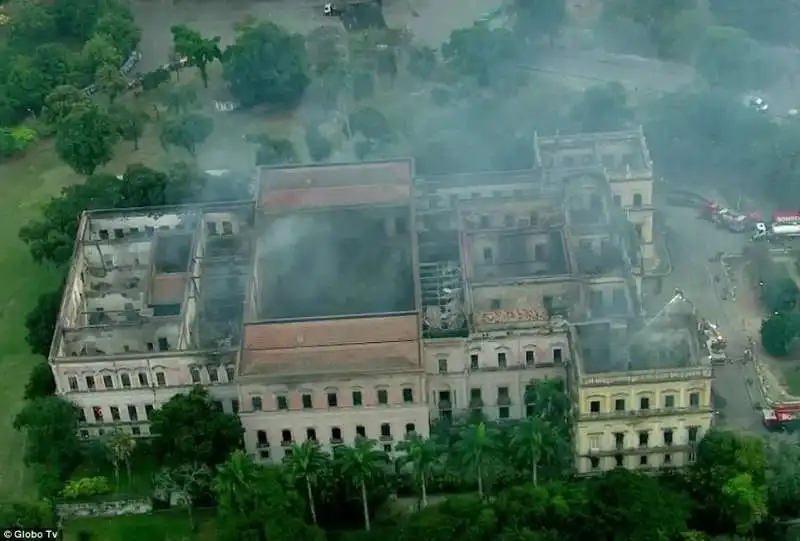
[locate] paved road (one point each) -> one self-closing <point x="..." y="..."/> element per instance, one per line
<point x="692" y="243"/>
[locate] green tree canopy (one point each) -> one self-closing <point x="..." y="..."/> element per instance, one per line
<point x="199" y="50"/>
<point x="603" y="108"/>
<point x="85" y="139"/>
<point x="266" y="65"/>
<point x="190" y="428"/>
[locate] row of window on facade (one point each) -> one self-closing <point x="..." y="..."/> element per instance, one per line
<point x="86" y="433"/>
<point x="669" y="402"/>
<point x="667" y="439"/>
<point x="503" y="360"/>
<point x="131" y="413"/>
<point x="337" y="437"/>
<point x="332" y="399"/>
<point x="446" y="402"/>
<point x="98" y="415"/>
<point x="637" y="200"/>
<point x="99" y="316"/>
<point x="142" y="379"/>
<point x="149" y="230"/>
<point x="643" y="460"/>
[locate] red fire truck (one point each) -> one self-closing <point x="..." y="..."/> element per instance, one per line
<point x="781" y="415"/>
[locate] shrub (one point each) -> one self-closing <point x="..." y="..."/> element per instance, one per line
<point x="86" y="488"/>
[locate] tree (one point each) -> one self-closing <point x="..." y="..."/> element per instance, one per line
<point x="253" y="500"/>
<point x="603" y="108"/>
<point x="727" y="57"/>
<point x="319" y="146"/>
<point x="534" y="19"/>
<point x="153" y="79"/>
<point x="99" y="51"/>
<point x="41" y="322"/>
<point x="189" y="481"/>
<point x="119" y="27"/>
<point x="77" y="18"/>
<point x="26" y="86"/>
<point x="474" y="453"/>
<point x="783" y="477"/>
<point x="199" y="50"/>
<point x="773" y="21"/>
<point x="189" y="428"/>
<point x="272" y="151"/>
<point x="120" y="446"/>
<point x="361" y="463"/>
<point x="723" y="499"/>
<point x="371" y="124"/>
<point x="266" y="65"/>
<point x="747" y="502"/>
<point x="655" y="18"/>
<point x="480" y="52"/>
<point x="85" y="139"/>
<point x="61" y="102"/>
<point x="187" y="131"/>
<point x="777" y="332"/>
<point x="636" y="507"/>
<point x="28" y="515"/>
<point x="305" y="464"/>
<point x="41" y="382"/>
<point x="110" y="81"/>
<point x="31" y="21"/>
<point x="530" y="444"/>
<point x="130" y="124"/>
<point x="421" y="455"/>
<point x="51" y="427"/>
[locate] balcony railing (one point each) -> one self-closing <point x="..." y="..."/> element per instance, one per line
<point x="386" y="437"/>
<point x="287" y="443"/>
<point x="607" y="380"/>
<point x="641" y="450"/>
<point x="262" y="445"/>
<point x="660" y="412"/>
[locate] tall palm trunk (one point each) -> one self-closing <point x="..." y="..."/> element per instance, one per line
<point x="311" y="501"/>
<point x="535" y="470"/>
<point x="480" y="482"/>
<point x="365" y="504"/>
<point x="424" y="488"/>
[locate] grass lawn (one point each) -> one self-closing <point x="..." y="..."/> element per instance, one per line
<point x="170" y="525"/>
<point x="25" y="184"/>
<point x="791" y="378"/>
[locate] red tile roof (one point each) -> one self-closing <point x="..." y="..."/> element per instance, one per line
<point x="336" y="185"/>
<point x="392" y="356"/>
<point x="329" y="332"/>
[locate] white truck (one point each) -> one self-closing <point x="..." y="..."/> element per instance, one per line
<point x="784" y="225"/>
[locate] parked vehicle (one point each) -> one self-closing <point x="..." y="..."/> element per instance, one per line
<point x="729" y="219"/>
<point x="784" y="225"/>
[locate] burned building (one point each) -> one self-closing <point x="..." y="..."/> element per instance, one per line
<point x="508" y="263"/>
<point x="152" y="306"/>
<point x="644" y="395"/>
<point x="332" y="332"/>
<point x="355" y="300"/>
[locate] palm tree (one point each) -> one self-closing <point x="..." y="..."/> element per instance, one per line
<point x="529" y="443"/>
<point x="474" y="451"/>
<point x="361" y="462"/>
<point x="304" y="464"/>
<point x="120" y="446"/>
<point x="232" y="484"/>
<point x="421" y="455"/>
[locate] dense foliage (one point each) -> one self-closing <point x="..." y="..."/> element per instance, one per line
<point x="39" y="56"/>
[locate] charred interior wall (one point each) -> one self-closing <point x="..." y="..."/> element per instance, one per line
<point x="335" y="262"/>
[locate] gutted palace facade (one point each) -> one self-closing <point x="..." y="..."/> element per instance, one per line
<point x="360" y="299"/>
